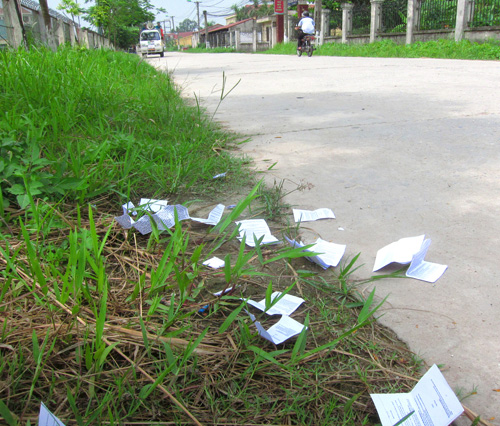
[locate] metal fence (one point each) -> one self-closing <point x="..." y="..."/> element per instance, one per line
<point x="361" y="16"/>
<point x="438" y="14"/>
<point x="485" y="13"/>
<point x="394" y="16"/>
<point x="336" y="20"/>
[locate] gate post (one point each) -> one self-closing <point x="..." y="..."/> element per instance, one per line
<point x="376" y="19"/>
<point x="346" y="21"/>
<point x="325" y="25"/>
<point x="464" y="8"/>
<point x="413" y="20"/>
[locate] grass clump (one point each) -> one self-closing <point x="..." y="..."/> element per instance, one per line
<point x="444" y="49"/>
<point x="106" y="326"/>
<point x="81" y="123"/>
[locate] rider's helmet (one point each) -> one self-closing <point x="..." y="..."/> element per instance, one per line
<point x="305" y="14"/>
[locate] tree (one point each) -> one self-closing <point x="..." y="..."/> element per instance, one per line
<point x="72" y="7"/>
<point x="187" y="26"/>
<point x="120" y="20"/>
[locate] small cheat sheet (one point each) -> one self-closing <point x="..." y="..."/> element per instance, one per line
<point x="285" y="328"/>
<point x="214" y="263"/>
<point x="311" y="215"/>
<point x="422" y="270"/>
<point x="213" y="217"/>
<point x="331" y="253"/>
<point x="401" y="251"/>
<point x="431" y="403"/>
<point x="255" y="228"/>
<point x="285" y="306"/>
<point x="46" y="418"/>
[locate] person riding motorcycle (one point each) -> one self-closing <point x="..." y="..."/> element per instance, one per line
<point x="304" y="27"/>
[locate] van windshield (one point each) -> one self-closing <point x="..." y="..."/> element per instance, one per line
<point x="153" y="35"/>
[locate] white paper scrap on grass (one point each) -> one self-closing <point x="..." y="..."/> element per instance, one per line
<point x="255" y="228"/>
<point x="422" y="270"/>
<point x="401" y="251"/>
<point x="331" y="253"/>
<point x="285" y="306"/>
<point x="311" y="215"/>
<point x="214" y="263"/>
<point x="213" y="217"/>
<point x="432" y="402"/>
<point x="285" y="328"/>
<point x="164" y="219"/>
<point x="220" y="175"/>
<point x="225" y="291"/>
<point x="128" y="207"/>
<point x="46" y="418"/>
<point x="152" y="205"/>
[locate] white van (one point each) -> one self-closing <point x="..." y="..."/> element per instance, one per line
<point x="151" y="42"/>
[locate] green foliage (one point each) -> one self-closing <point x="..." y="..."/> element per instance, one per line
<point x="445" y="49"/>
<point x="187" y="25"/>
<point x="118" y="18"/>
<point x="78" y="123"/>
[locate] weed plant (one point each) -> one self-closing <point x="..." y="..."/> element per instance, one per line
<point x="106" y="326"/>
<point x="445" y="49"/>
<point x="80" y="123"/>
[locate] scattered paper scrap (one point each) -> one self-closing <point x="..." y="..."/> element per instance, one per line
<point x="331" y="253"/>
<point x="154" y="206"/>
<point x="432" y="402"/>
<point x="213" y="217"/>
<point x="214" y="263"/>
<point x="220" y="175"/>
<point x="128" y="207"/>
<point x="422" y="270"/>
<point x="164" y="218"/>
<point x="285" y="328"/>
<point x="401" y="251"/>
<point x="255" y="228"/>
<point x="310" y="215"/>
<point x="285" y="306"/>
<point x="46" y="418"/>
<point x="225" y="291"/>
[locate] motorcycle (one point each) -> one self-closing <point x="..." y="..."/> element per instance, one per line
<point x="307" y="46"/>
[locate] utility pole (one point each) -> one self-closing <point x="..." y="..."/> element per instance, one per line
<point x="206" y="28"/>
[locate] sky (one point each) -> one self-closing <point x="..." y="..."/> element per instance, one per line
<point x="182" y="9"/>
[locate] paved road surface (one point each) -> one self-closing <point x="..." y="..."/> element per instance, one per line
<point x="397" y="148"/>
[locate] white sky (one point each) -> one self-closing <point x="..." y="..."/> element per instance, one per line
<point x="182" y="9"/>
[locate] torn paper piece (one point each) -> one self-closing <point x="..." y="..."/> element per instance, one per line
<point x="400" y="251"/>
<point x="164" y="219"/>
<point x="129" y="208"/>
<point x="125" y="221"/>
<point x="331" y="253"/>
<point x="432" y="402"/>
<point x="310" y="215"/>
<point x="285" y="306"/>
<point x="220" y="175"/>
<point x="214" y="263"/>
<point x="422" y="270"/>
<point x="255" y="228"/>
<point x="151" y="205"/>
<point x="213" y="217"/>
<point x="143" y="225"/>
<point x="285" y="328"/>
<point x="46" y="418"/>
<point x="225" y="291"/>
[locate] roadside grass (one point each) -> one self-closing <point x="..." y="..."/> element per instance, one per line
<point x="444" y="49"/>
<point x="107" y="326"/>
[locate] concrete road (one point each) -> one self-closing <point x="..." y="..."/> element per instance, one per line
<point x="397" y="148"/>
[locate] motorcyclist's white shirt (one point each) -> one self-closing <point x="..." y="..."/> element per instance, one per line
<point x="307" y="25"/>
